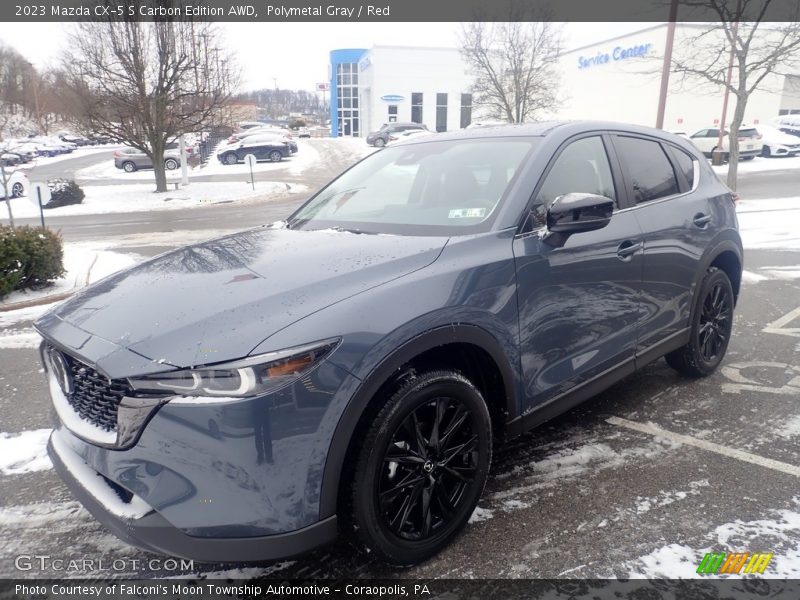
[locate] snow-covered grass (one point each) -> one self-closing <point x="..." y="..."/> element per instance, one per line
<point x="760" y="163"/>
<point x="772" y="224"/>
<point x="84" y="262"/>
<point x="101" y="199"/>
<point x="24" y="452"/>
<point x="106" y="170"/>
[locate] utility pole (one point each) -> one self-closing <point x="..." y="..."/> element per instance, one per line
<point x="666" y="67"/>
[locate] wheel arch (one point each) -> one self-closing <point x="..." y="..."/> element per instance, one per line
<point x="463" y="347"/>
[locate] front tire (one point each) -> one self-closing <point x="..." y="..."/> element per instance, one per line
<point x="17" y="190"/>
<point x="766" y="152"/>
<point x="422" y="467"/>
<point x="230" y="159"/>
<point x="170" y="164"/>
<point x="712" y="323"/>
<point x="380" y="143"/>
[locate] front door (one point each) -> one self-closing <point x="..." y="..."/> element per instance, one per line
<point x="579" y="303"/>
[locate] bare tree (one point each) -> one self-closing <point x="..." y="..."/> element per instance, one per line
<point x="515" y="67"/>
<point x="144" y="84"/>
<point x="752" y="49"/>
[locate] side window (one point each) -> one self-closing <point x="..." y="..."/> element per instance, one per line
<point x="685" y="165"/>
<point x="712" y="133"/>
<point x="581" y="167"/>
<point x="700" y="134"/>
<point x="651" y="173"/>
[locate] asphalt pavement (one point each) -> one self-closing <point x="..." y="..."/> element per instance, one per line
<point x="639" y="481"/>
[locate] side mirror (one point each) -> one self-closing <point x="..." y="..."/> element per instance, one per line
<point x="576" y="213"/>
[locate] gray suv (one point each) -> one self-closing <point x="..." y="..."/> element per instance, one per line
<point x="132" y="159"/>
<point x="381" y="137"/>
<point x="349" y="370"/>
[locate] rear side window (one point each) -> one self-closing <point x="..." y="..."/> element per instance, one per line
<point x="685" y="165"/>
<point x="651" y="173"/>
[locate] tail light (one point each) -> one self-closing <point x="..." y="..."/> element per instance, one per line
<point x="392" y="138"/>
<point x="117" y="154"/>
<point x="735" y="197"/>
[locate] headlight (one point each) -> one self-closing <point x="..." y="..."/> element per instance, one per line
<point x="250" y="376"/>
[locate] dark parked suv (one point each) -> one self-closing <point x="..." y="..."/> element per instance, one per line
<point x="381" y="137"/>
<point x="249" y="397"/>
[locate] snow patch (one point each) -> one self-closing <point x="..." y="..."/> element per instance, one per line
<point x="480" y="514"/>
<point x="28" y="338"/>
<point x="24" y="452"/>
<point x="42" y="513"/>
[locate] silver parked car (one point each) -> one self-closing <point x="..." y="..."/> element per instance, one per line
<point x="132" y="159"/>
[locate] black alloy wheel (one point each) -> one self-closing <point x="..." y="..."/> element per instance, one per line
<point x="422" y="467"/>
<point x="712" y="323"/>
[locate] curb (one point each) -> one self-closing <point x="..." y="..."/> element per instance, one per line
<point x="52" y="297"/>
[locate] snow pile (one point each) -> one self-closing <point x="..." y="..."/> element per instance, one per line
<point x="27" y="338"/>
<point x="24" y="452"/>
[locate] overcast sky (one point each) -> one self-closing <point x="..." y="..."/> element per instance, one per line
<point x="295" y="55"/>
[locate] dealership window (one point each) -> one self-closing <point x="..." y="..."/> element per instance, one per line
<point x="651" y="172"/>
<point x="466" y="110"/>
<point x="441" y="112"/>
<point x="416" y="107"/>
<point x="392" y="113"/>
<point x="347" y="98"/>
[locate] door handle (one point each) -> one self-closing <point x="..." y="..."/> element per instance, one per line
<point x="627" y="249"/>
<point x="701" y="220"/>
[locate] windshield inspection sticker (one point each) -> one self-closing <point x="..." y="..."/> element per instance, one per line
<point x="466" y="213"/>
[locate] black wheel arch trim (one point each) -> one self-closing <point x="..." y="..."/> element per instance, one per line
<point x="348" y="422"/>
<point x="726" y="241"/>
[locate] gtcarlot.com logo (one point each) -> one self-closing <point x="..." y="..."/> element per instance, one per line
<point x="45" y="562"/>
<point x="734" y="563"/>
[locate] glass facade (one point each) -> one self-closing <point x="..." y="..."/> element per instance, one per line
<point x="416" y="107"/>
<point x="347" y="99"/>
<point x="466" y="110"/>
<point x="441" y="112"/>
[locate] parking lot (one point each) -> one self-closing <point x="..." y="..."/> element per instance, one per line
<point x="640" y="481"/>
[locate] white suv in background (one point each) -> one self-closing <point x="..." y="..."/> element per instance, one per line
<point x="707" y="141"/>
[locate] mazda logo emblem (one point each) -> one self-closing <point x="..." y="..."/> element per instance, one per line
<point x="61" y="370"/>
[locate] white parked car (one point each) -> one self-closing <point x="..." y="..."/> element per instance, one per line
<point x="777" y="142"/>
<point x="17" y="184"/>
<point x="707" y="141"/>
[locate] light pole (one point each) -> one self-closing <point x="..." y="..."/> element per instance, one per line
<point x="665" y="68"/>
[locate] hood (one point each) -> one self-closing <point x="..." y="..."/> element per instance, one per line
<point x="218" y="300"/>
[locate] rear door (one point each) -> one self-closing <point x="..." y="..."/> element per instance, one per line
<point x="578" y="304"/>
<point x="677" y="223"/>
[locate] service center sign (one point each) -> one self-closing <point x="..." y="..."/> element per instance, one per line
<point x="619" y="53"/>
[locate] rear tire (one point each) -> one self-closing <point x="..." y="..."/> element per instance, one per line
<point x="170" y="164"/>
<point x="380" y="143"/>
<point x="710" y="333"/>
<point x="275" y="156"/>
<point x="421" y="468"/>
<point x="17" y="190"/>
<point x="766" y="152"/>
<point x="128" y="167"/>
<point x="230" y="159"/>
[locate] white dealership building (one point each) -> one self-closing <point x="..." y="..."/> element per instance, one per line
<point x="617" y="79"/>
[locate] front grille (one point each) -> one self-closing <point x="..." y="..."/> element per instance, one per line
<point x="95" y="398"/>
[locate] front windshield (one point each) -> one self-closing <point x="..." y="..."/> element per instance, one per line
<point x="435" y="188"/>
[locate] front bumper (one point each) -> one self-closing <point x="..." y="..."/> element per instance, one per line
<point x="151" y="531"/>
